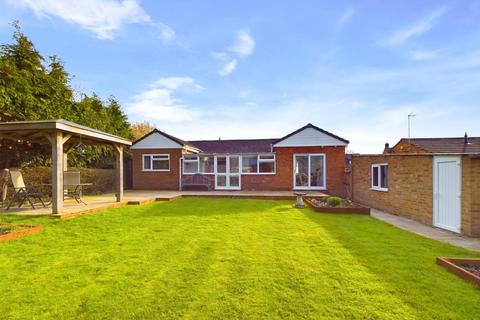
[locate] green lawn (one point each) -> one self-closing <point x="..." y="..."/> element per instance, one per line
<point x="228" y="259"/>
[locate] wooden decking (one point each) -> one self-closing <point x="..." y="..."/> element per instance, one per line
<point x="135" y="197"/>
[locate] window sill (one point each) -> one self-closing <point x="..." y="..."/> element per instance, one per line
<point x="155" y="170"/>
<point x="380" y="189"/>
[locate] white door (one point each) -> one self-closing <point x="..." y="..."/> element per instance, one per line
<point x="309" y="171"/>
<point x="227" y="173"/>
<point x="447" y="186"/>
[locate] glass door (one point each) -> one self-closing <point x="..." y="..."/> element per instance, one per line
<point x="309" y="171"/>
<point x="227" y="173"/>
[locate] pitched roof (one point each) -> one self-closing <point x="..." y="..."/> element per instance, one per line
<point x="447" y="145"/>
<point x="177" y="140"/>
<point x="313" y="127"/>
<point x="234" y="146"/>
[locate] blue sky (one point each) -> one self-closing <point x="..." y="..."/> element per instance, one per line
<point x="261" y="69"/>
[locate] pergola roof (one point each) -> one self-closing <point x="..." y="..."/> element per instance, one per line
<point x="37" y="131"/>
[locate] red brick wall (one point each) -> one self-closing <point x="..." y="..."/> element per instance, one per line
<point x="404" y="147"/>
<point x="335" y="159"/>
<point x="154" y="180"/>
<point x="282" y="180"/>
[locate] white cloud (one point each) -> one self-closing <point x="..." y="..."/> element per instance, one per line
<point x="228" y="68"/>
<point x="242" y="47"/>
<point x="165" y="32"/>
<point x="159" y="102"/>
<point x="345" y="18"/>
<point x="421" y="55"/>
<point x="174" y="83"/>
<point x="418" y="28"/>
<point x="105" y="18"/>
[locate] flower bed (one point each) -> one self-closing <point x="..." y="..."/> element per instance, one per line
<point x="467" y="269"/>
<point x="344" y="206"/>
<point x="12" y="231"/>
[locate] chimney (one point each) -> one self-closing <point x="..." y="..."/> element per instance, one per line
<point x="465" y="138"/>
<point x="387" y="149"/>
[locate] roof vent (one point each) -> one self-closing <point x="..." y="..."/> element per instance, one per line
<point x="465" y="138"/>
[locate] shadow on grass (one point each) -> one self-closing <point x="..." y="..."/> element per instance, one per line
<point x="404" y="261"/>
<point x="210" y="207"/>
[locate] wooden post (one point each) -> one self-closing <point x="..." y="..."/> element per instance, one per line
<point x="57" y="172"/>
<point x="119" y="171"/>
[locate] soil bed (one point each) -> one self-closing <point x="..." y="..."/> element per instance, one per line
<point x="345" y="206"/>
<point x="466" y="268"/>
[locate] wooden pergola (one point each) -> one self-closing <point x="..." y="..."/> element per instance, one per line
<point x="63" y="135"/>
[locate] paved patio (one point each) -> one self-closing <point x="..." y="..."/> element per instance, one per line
<point x="135" y="197"/>
<point x="428" y="231"/>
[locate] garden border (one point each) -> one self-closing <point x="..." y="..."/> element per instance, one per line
<point x="20" y="233"/>
<point x="338" y="210"/>
<point x="449" y="264"/>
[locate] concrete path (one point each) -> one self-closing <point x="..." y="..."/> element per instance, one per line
<point x="428" y="231"/>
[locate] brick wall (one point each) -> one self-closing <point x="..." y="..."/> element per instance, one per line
<point x="471" y="196"/>
<point x="404" y="147"/>
<point x="282" y="180"/>
<point x="410" y="185"/>
<point x="335" y="159"/>
<point x="154" y="180"/>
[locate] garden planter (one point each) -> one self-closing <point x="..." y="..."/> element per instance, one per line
<point x="339" y="209"/>
<point x="25" y="230"/>
<point x="468" y="269"/>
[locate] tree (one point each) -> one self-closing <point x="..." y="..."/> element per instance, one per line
<point x="36" y="88"/>
<point x="140" y="129"/>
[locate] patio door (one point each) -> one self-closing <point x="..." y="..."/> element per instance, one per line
<point x="227" y="172"/>
<point x="309" y="171"/>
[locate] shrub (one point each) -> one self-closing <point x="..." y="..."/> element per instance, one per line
<point x="333" y="201"/>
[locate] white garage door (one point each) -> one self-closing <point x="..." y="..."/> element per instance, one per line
<point x="447" y="192"/>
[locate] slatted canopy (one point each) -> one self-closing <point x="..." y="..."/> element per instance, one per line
<point x="62" y="135"/>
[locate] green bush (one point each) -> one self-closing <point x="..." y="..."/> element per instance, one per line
<point x="333" y="201"/>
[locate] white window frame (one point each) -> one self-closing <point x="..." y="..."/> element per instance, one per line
<point x="151" y="155"/>
<point x="310" y="155"/>
<point x="379" y="186"/>
<point x="198" y="165"/>
<point x="259" y="160"/>
<point x="197" y="160"/>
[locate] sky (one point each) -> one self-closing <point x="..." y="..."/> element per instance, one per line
<point x="261" y="69"/>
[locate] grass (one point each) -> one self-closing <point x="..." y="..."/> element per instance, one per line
<point x="228" y="259"/>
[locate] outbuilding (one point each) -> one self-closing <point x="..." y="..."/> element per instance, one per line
<point x="432" y="180"/>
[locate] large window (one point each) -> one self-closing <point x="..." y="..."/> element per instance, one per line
<point x="309" y="171"/>
<point x="156" y="162"/>
<point x="380" y="177"/>
<point x="198" y="164"/>
<point x="190" y="164"/>
<point x="258" y="163"/>
<point x="250" y="164"/>
<point x="207" y="164"/>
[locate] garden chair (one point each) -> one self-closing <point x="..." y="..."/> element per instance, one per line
<point x="23" y="192"/>
<point x="72" y="188"/>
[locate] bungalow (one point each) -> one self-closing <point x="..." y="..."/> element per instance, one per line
<point x="309" y="158"/>
<point x="433" y="180"/>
